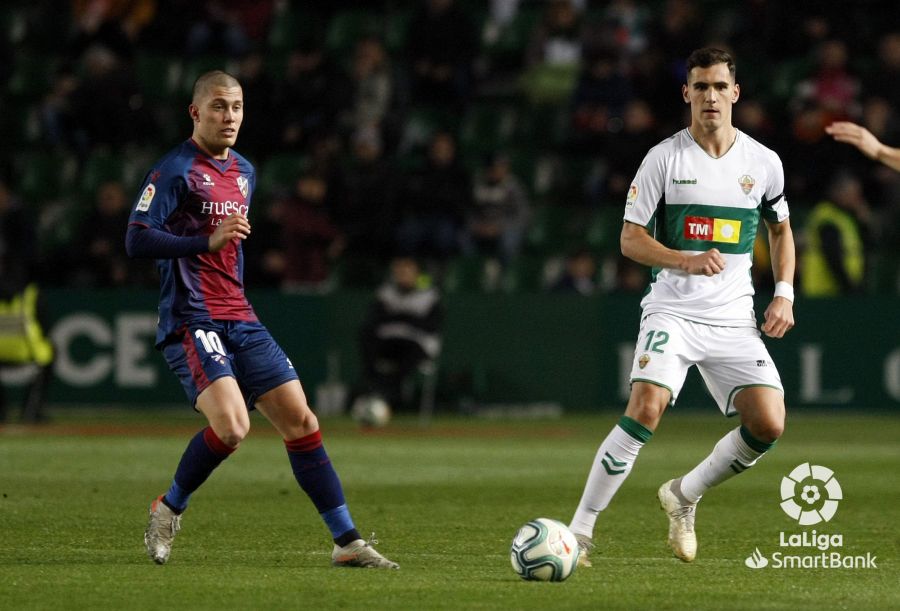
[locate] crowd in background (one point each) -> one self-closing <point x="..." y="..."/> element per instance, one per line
<point x="494" y="141"/>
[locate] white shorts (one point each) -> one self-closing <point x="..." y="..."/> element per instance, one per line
<point x="729" y="358"/>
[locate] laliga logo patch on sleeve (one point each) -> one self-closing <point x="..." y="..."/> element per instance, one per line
<point x="146" y="198"/>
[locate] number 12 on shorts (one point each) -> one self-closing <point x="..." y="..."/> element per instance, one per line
<point x="656" y="340"/>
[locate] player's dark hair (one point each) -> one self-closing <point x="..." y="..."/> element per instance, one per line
<point x="710" y="56"/>
<point x="213" y="78"/>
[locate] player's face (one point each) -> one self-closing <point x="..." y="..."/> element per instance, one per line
<point x="711" y="93"/>
<point x="217" y="114"/>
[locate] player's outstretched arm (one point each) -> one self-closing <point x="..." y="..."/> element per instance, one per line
<point x="779" y="316"/>
<point x="638" y="245"/>
<point x="866" y="142"/>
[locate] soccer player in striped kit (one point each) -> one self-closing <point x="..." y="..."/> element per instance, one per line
<point x="191" y="217"/>
<point x="692" y="214"/>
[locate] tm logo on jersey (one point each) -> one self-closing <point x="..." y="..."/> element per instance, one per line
<point x="715" y="230"/>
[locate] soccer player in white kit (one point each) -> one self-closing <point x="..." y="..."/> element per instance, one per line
<point x="691" y="214"/>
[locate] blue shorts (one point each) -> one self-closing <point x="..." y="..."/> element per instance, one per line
<point x="246" y="351"/>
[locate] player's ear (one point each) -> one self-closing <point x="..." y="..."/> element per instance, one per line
<point x="194" y="112"/>
<point x="684" y="94"/>
<point x="736" y="94"/>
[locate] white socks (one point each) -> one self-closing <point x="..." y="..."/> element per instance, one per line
<point x="735" y="452"/>
<point x="612" y="464"/>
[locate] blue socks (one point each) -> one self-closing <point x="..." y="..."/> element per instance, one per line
<point x="318" y="479"/>
<point x="203" y="454"/>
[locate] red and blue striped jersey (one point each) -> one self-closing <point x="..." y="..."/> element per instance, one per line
<point x="187" y="194"/>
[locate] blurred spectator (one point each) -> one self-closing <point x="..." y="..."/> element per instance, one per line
<point x="257" y="130"/>
<point x="107" y="105"/>
<point x="228" y="26"/>
<point x="309" y="96"/>
<point x="629" y="25"/>
<point x="833" y="262"/>
<point x="401" y="333"/>
<point x="22" y="339"/>
<point x="434" y="199"/>
<point x="638" y="135"/>
<point x="58" y="123"/>
<point x="498" y="215"/>
<point x="308" y="241"/>
<point x="442" y="43"/>
<point x="365" y="210"/>
<point x="558" y="37"/>
<point x="553" y="56"/>
<point x="831" y="90"/>
<point x="101" y="261"/>
<point x="113" y="24"/>
<point x="884" y="78"/>
<point x="579" y="275"/>
<point x="601" y="95"/>
<point x="372" y="85"/>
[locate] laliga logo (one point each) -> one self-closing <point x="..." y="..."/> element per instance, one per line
<point x="810" y="494"/>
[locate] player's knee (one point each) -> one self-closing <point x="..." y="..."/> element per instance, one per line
<point x="233" y="433"/>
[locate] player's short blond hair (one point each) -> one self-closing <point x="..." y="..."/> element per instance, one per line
<point x="213" y="78"/>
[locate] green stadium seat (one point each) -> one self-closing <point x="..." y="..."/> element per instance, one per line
<point x="32" y="75"/>
<point x="348" y="26"/>
<point x="470" y="274"/>
<point x="292" y="26"/>
<point x="396" y="30"/>
<point x="488" y="127"/>
<point x="280" y="172"/>
<point x="158" y="75"/>
<point x="45" y="176"/>
<point x="605" y="228"/>
<point x="524" y="274"/>
<point x="101" y="167"/>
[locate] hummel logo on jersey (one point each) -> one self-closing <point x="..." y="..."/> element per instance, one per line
<point x="714" y="230"/>
<point x="685" y="181"/>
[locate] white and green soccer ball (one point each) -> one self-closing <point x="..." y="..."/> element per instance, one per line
<point x="544" y="550"/>
<point x="370" y="411"/>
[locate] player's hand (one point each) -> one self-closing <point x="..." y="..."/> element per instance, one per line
<point x="708" y="263"/>
<point x="779" y="318"/>
<point x="858" y="136"/>
<point x="233" y="226"/>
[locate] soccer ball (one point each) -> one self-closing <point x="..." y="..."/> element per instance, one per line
<point x="544" y="550"/>
<point x="371" y="411"/>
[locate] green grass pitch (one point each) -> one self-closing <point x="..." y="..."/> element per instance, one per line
<point x="445" y="503"/>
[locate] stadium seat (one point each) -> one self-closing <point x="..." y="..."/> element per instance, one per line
<point x="45" y="176"/>
<point x="468" y="274"/>
<point x="158" y="75"/>
<point x="524" y="274"/>
<point x="31" y="75"/>
<point x="292" y="26"/>
<point x="506" y="51"/>
<point x="348" y="26"/>
<point x="605" y="228"/>
<point x="396" y="30"/>
<point x="101" y="167"/>
<point x="280" y="172"/>
<point x="487" y="127"/>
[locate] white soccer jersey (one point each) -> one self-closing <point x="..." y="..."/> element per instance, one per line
<point x="696" y="203"/>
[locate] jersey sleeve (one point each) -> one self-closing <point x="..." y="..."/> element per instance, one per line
<point x="647" y="189"/>
<point x="774" y="204"/>
<point x="162" y="190"/>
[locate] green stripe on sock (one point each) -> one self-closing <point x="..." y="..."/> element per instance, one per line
<point x="753" y="442"/>
<point x="636" y="429"/>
